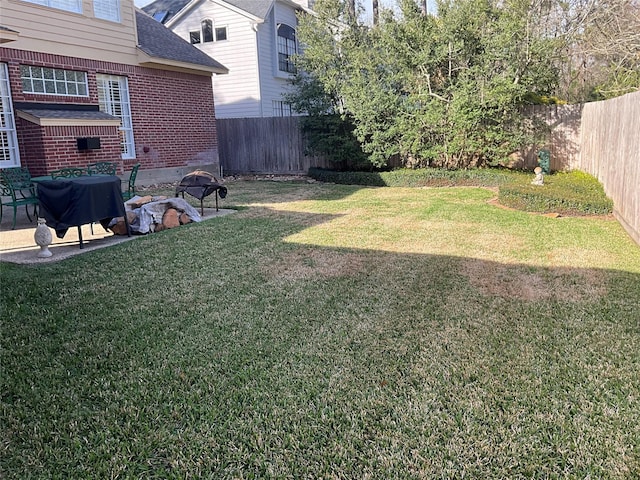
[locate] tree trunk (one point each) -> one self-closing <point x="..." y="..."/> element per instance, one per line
<point x="350" y="10"/>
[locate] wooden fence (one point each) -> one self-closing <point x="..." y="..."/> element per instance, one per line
<point x="564" y="138"/>
<point x="610" y="151"/>
<point x="263" y="146"/>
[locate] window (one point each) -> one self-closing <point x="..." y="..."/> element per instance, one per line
<point x="113" y="96"/>
<point x="281" y="109"/>
<point x="207" y="33"/>
<point x="107" y="9"/>
<point x="53" y="81"/>
<point x="68" y="5"/>
<point x="286" y="48"/>
<point x="221" y="33"/>
<point x="9" y="153"/>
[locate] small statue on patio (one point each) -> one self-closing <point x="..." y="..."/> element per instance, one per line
<point x="539" y="180"/>
<point x="43" y="238"/>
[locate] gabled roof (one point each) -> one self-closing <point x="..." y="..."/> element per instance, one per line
<point x="164" y="10"/>
<point x="163" y="47"/>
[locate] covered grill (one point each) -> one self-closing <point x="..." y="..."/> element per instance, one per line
<point x="201" y="184"/>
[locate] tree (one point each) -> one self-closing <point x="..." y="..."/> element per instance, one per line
<point x="443" y="90"/>
<point x="609" y="43"/>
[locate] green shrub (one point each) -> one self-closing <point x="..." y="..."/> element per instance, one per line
<point x="424" y="177"/>
<point x="574" y="193"/>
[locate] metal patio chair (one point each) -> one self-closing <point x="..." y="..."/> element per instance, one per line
<point x="102" y="168"/>
<point x="16" y="183"/>
<point x="68" y="172"/>
<point x="130" y="192"/>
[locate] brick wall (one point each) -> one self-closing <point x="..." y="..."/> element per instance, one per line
<point x="172" y="113"/>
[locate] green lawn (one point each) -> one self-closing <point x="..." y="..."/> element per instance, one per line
<point x="330" y="331"/>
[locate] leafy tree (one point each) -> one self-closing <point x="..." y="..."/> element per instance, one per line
<point x="443" y="90"/>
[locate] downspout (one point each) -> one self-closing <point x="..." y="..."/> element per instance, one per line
<point x="254" y="27"/>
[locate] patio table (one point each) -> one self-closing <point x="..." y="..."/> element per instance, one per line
<point x="73" y="202"/>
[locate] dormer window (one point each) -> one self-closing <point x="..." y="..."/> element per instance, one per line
<point x="207" y="33"/>
<point x="287" y="48"/>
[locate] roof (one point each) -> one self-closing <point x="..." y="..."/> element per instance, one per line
<point x="69" y="114"/>
<point x="158" y="42"/>
<point x="7" y="34"/>
<point x="164" y="10"/>
<point x="57" y="115"/>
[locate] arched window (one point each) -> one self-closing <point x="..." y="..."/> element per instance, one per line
<point x="207" y="31"/>
<point x="286" y="48"/>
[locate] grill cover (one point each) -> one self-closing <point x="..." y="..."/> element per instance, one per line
<point x="200" y="184"/>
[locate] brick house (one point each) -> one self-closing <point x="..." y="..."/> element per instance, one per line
<point x="91" y="80"/>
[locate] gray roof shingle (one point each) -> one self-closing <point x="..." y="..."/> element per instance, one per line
<point x="158" y="41"/>
<point x="69" y="114"/>
<point x="257" y="8"/>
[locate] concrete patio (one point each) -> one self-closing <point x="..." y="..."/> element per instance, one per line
<point x="18" y="245"/>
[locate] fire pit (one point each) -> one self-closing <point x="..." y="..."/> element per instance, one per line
<point x="201" y="184"/>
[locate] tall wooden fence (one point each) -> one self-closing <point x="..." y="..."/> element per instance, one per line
<point x="263" y="146"/>
<point x="603" y="139"/>
<point x="610" y="151"/>
<point x="564" y="138"/>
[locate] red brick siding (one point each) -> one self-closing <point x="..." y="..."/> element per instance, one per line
<point x="172" y="114"/>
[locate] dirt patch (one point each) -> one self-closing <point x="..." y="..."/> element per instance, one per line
<point x="534" y="283"/>
<point x="315" y="264"/>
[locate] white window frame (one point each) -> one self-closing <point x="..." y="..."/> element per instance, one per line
<point x="113" y="97"/>
<point x="197" y="37"/>
<point x="58" y="81"/>
<point x="74" y="6"/>
<point x="287" y="48"/>
<point x="226" y="33"/>
<point x="9" y="151"/>
<point x="107" y="10"/>
<point x="212" y="32"/>
<point x="281" y="108"/>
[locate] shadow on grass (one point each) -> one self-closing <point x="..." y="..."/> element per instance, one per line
<point x="221" y="350"/>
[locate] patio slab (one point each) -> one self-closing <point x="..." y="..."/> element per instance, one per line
<point x="18" y="245"/>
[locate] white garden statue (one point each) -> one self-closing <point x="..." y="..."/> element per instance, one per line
<point x="43" y="238"/>
<point x="539" y="180"/>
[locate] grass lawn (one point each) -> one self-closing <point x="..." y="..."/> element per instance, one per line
<point x="330" y="331"/>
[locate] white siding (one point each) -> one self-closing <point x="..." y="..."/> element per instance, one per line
<point x="250" y="54"/>
<point x="237" y="94"/>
